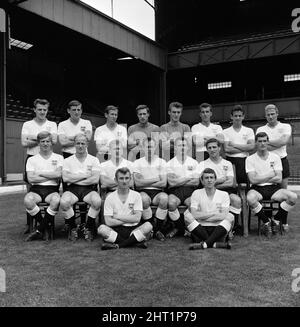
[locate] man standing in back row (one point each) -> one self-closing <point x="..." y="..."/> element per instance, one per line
<point x="68" y="129"/>
<point x="205" y="130"/>
<point x="108" y="132"/>
<point x="239" y="140"/>
<point x="172" y="130"/>
<point x="279" y="135"/>
<point x="139" y="132"/>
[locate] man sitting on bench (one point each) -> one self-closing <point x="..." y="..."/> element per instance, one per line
<point x="44" y="173"/>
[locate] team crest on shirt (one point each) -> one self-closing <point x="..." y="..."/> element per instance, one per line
<point x="219" y="207"/>
<point x="48" y="128"/>
<point x="245" y="136"/>
<point x="190" y="167"/>
<point x="89" y="167"/>
<point x="225" y="168"/>
<point x="82" y="128"/>
<point x="130" y="206"/>
<point x="272" y="164"/>
<point x="119" y="134"/>
<point x="54" y="162"/>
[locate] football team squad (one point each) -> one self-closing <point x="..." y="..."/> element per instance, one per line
<point x="151" y="182"/>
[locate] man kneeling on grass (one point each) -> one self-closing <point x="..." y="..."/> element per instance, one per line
<point x="122" y="215"/>
<point x="209" y="220"/>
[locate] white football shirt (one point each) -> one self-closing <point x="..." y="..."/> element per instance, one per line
<point x="255" y="163"/>
<point x="202" y="131"/>
<point x="222" y="169"/>
<point x="103" y="136"/>
<point x="108" y="168"/>
<point x="113" y="205"/>
<point x="69" y="129"/>
<point x="186" y="169"/>
<point x="32" y="128"/>
<point x="201" y="202"/>
<point x="276" y="133"/>
<point x="39" y="164"/>
<point x="72" y="164"/>
<point x="240" y="137"/>
<point x="150" y="170"/>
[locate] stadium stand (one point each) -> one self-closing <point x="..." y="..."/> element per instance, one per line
<point x="16" y="110"/>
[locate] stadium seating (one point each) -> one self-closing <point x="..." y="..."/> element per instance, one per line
<point x="15" y="110"/>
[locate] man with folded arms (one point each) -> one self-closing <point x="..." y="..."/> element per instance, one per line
<point x="225" y="176"/>
<point x="44" y="173"/>
<point x="30" y="130"/>
<point x="150" y="179"/>
<point x="183" y="179"/>
<point x="122" y="214"/>
<point x="109" y="167"/>
<point x="81" y="172"/>
<point x="209" y="219"/>
<point x="264" y="169"/>
<point x="279" y="135"/>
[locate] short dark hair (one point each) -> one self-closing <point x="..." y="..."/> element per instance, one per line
<point x="205" y="105"/>
<point x="109" y="108"/>
<point x="74" y="103"/>
<point x="176" y="105"/>
<point x="142" y="106"/>
<point x="43" y="135"/>
<point x="123" y="170"/>
<point x="41" y="101"/>
<point x="237" y="107"/>
<point x="212" y="140"/>
<point x="208" y="171"/>
<point x="261" y="134"/>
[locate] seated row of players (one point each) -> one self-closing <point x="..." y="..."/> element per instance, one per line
<point x="151" y="175"/>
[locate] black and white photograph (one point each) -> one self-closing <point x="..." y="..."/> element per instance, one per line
<point x="149" y="158"/>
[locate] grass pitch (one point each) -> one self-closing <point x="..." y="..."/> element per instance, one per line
<point x="256" y="272"/>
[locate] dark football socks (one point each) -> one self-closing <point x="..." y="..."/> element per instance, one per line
<point x="261" y="215"/>
<point x="281" y="215"/>
<point x="199" y="233"/>
<point x="218" y="232"/>
<point x="128" y="242"/>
